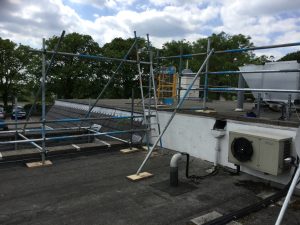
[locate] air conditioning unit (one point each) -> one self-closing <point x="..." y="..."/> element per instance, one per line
<point x="260" y="151"/>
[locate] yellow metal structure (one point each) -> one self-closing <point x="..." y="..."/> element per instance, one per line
<point x="167" y="83"/>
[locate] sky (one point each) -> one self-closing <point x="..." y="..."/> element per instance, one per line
<point x="266" y="21"/>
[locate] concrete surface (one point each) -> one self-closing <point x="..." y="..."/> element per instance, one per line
<point x="92" y="189"/>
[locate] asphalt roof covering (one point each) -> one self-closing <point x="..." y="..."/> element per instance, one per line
<point x="92" y="189"/>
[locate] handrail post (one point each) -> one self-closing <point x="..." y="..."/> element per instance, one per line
<point x="46" y="73"/>
<point x="205" y="94"/>
<point x="43" y="104"/>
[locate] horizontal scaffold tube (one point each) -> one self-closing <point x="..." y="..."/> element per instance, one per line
<point x="70" y="137"/>
<point x="228" y="72"/>
<point x="119" y="139"/>
<point x="87" y="56"/>
<point x="252" y="89"/>
<point x="33" y="143"/>
<point x="232" y="50"/>
<point x="40" y="129"/>
<point x="68" y="120"/>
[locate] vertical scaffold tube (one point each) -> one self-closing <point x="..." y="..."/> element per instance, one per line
<point x="43" y="103"/>
<point x="205" y="94"/>
<point x="47" y="71"/>
<point x="174" y="112"/>
<point x="288" y="197"/>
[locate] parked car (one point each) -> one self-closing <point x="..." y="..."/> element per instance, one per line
<point x="3" y="125"/>
<point x="2" y="113"/>
<point x="19" y="112"/>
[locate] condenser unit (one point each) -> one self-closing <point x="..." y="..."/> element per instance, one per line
<point x="260" y="151"/>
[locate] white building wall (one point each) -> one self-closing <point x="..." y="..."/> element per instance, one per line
<point x="192" y="134"/>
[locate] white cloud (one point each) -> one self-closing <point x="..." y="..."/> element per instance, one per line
<point x="116" y="4"/>
<point x="265" y="21"/>
<point x="165" y="20"/>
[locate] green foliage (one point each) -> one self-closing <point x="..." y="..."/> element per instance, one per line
<point x="126" y="77"/>
<point x="291" y="56"/>
<point x="73" y="77"/>
<point x="13" y="59"/>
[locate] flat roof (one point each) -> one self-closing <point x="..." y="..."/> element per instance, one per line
<point x="223" y="110"/>
<point x="93" y="189"/>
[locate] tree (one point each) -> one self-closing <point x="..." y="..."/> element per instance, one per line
<point x="13" y="61"/>
<point x="126" y="78"/>
<point x="174" y="48"/>
<point x="73" y="77"/>
<point x="291" y="56"/>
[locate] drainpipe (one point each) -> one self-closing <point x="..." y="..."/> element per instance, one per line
<point x="218" y="134"/>
<point x="174" y="169"/>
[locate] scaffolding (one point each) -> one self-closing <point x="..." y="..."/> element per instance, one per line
<point x="240" y="90"/>
<point x="206" y="88"/>
<point x="203" y="71"/>
<point x="39" y="143"/>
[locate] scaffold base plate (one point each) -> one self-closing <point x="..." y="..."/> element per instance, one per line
<point x="128" y="150"/>
<point x="206" y="111"/>
<point x="39" y="164"/>
<point x="140" y="176"/>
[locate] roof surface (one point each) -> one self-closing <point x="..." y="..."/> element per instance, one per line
<point x="93" y="189"/>
<point x="223" y="110"/>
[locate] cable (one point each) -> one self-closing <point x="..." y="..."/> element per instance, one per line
<point x="195" y="178"/>
<point x="254" y="207"/>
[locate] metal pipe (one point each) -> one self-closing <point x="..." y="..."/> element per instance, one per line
<point x="254" y="71"/>
<point x="33" y="143"/>
<point x="87" y="56"/>
<point x="288" y="197"/>
<point x="205" y="94"/>
<point x="149" y="78"/>
<point x="174" y="113"/>
<point x="180" y="74"/>
<point x="218" y="134"/>
<point x="174" y="160"/>
<point x="288" y="107"/>
<point x="43" y="103"/>
<point x="39" y="129"/>
<point x="142" y="91"/>
<point x="72" y="120"/>
<point x="174" y="169"/>
<point x="233" y="50"/>
<point x="47" y="71"/>
<point x="111" y="78"/>
<point x="119" y="139"/>
<point x="131" y="120"/>
<point x="228" y="72"/>
<point x="258" y="48"/>
<point x="151" y="73"/>
<point x="16" y="121"/>
<point x="68" y="137"/>
<point x="253" y="90"/>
